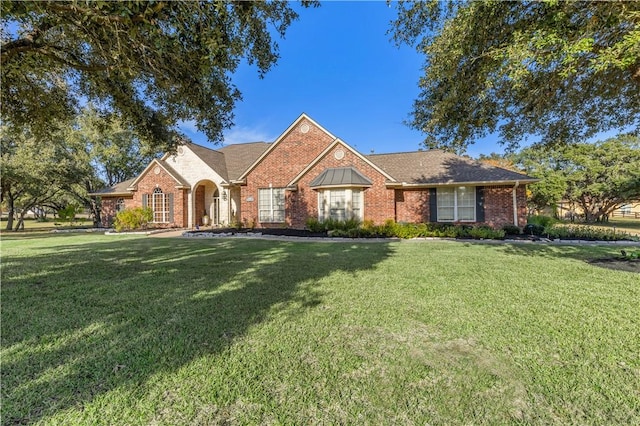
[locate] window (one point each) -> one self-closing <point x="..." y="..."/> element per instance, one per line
<point x="119" y="205"/>
<point x="160" y="206"/>
<point x="337" y="205"/>
<point x="271" y="205"/>
<point x="340" y="204"/>
<point x="456" y="204"/>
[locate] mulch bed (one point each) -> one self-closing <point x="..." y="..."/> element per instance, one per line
<point x="288" y="232"/>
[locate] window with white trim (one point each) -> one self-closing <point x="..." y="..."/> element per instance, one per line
<point x="340" y="204"/>
<point x="456" y="204"/>
<point x="160" y="206"/>
<point x="271" y="205"/>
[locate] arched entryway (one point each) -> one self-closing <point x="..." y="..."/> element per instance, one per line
<point x="206" y="204"/>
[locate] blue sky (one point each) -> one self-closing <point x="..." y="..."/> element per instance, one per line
<point x="338" y="65"/>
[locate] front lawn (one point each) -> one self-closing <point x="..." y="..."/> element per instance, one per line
<point x="138" y="330"/>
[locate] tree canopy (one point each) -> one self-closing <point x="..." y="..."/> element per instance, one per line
<point x="561" y="71"/>
<point x="153" y="62"/>
<point x="598" y="177"/>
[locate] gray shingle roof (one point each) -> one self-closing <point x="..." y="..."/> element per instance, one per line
<point x="117" y="189"/>
<point x="340" y="176"/>
<point x="214" y="159"/>
<point x="439" y="167"/>
<point x="240" y="156"/>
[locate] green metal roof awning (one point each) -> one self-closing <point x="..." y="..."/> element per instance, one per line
<point x="340" y="176"/>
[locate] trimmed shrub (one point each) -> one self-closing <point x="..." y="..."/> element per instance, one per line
<point x="130" y="219"/>
<point x="544" y="221"/>
<point x="578" y="232"/>
<point x="511" y="230"/>
<point x="533" y="229"/>
<point x="314" y="225"/>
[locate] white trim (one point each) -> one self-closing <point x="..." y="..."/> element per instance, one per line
<point x="327" y="150"/>
<point x="293" y="125"/>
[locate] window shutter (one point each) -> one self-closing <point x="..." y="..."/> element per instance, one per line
<point x="170" y="207"/>
<point x="145" y="200"/>
<point x="479" y="203"/>
<point x="433" y="205"/>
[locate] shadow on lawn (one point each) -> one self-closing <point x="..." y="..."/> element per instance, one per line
<point x="580" y="252"/>
<point x="85" y="319"/>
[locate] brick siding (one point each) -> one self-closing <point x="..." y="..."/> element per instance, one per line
<point x="292" y="155"/>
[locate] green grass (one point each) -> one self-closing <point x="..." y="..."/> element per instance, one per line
<point x="32" y="225"/>
<point x="136" y="330"/>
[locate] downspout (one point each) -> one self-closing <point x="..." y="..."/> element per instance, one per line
<point x="515" y="203"/>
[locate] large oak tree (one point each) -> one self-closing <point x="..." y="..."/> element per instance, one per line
<point x="155" y="62"/>
<point x="597" y="177"/>
<point x="561" y="71"/>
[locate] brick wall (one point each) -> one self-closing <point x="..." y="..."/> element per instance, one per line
<point x="199" y="205"/>
<point x="413" y="205"/>
<point x="146" y="185"/>
<point x="108" y="209"/>
<point x="498" y="205"/>
<point x="289" y="157"/>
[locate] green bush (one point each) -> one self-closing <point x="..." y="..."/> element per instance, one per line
<point x="130" y="219"/>
<point x="575" y="232"/>
<point x="68" y="214"/>
<point x="511" y="230"/>
<point x="486" y="233"/>
<point x="314" y="225"/>
<point x="544" y="221"/>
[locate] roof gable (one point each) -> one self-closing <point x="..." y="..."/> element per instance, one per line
<point x="327" y="150"/>
<point x="284" y="134"/>
<point x="180" y="182"/>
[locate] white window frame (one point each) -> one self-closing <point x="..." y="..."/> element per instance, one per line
<point x="458" y="203"/>
<point x="274" y="209"/>
<point x="160" y="206"/>
<point x="350" y="211"/>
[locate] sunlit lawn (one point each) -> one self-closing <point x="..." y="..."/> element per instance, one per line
<point x="138" y="330"/>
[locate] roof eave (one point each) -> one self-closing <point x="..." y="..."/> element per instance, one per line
<point x="470" y="183"/>
<point x="110" y="194"/>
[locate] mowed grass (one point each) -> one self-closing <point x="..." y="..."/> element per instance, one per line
<point x="137" y="330"/>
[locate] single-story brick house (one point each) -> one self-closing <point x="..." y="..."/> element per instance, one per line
<point x="308" y="172"/>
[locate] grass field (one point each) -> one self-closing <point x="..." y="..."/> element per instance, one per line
<point x="136" y="330"/>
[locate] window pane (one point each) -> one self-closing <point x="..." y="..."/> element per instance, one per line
<point x="466" y="196"/>
<point x="356" y="203"/>
<point x="158" y="205"/>
<point x="466" y="213"/>
<point x="445" y="200"/>
<point x="337" y="205"/>
<point x="466" y="203"/>
<point x="271" y="203"/>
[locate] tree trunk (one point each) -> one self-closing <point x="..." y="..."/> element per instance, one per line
<point x="20" y="224"/>
<point x="11" y="212"/>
